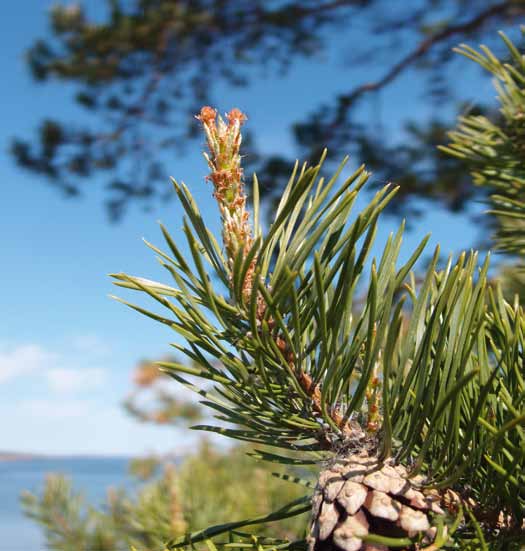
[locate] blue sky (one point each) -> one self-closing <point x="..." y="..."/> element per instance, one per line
<point x="66" y="349"/>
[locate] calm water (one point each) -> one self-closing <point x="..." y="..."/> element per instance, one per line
<point x="91" y="476"/>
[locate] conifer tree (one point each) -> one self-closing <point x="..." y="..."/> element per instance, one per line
<point x="410" y="409"/>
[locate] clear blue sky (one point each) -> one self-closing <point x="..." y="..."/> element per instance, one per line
<point x="66" y="349"/>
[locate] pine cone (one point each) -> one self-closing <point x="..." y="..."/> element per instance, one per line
<point x="358" y="496"/>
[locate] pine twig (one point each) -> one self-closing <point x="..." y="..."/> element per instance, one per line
<point x="224" y="141"/>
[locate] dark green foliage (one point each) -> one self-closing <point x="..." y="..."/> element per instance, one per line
<point x="140" y="68"/>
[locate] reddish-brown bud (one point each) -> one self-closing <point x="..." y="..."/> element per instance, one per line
<point x="236" y="115"/>
<point x="207" y="115"/>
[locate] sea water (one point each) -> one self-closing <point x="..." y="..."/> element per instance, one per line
<point x="91" y="476"/>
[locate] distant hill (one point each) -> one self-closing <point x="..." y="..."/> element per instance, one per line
<point x="27" y="456"/>
<point x="18" y="456"/>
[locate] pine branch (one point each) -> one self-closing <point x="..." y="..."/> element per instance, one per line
<point x="424" y="378"/>
<point x="224" y="143"/>
<point x="493" y="151"/>
<point x="346" y="101"/>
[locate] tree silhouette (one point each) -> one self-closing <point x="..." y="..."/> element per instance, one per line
<point x="147" y="64"/>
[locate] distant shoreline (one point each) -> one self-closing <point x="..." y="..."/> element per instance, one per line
<point x="26" y="456"/>
<point x="16" y="456"/>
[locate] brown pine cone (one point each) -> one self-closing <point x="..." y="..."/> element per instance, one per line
<point x="358" y="496"/>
